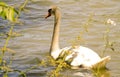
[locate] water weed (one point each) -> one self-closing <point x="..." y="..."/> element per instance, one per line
<point x="59" y="65"/>
<point x="88" y="23"/>
<point x="106" y="36"/>
<point x="8" y="13"/>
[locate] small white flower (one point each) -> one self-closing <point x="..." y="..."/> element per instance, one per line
<point x="109" y="21"/>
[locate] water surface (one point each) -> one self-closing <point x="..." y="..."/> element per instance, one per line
<point x="37" y="32"/>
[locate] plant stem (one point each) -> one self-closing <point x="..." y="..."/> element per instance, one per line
<point x="8" y="38"/>
<point x="106" y="38"/>
<point x="22" y="7"/>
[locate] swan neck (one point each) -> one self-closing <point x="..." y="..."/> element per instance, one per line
<point x="55" y="37"/>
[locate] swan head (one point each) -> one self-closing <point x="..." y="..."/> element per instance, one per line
<point x="52" y="11"/>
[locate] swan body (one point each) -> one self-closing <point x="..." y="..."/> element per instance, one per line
<point x="76" y="55"/>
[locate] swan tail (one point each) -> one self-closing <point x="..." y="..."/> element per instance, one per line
<point x="102" y="63"/>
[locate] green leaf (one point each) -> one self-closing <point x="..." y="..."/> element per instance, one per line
<point x="0" y="9"/>
<point x="11" y="14"/>
<point x="5" y="75"/>
<point x="22" y="74"/>
<point x="3" y="4"/>
<point x="7" y="12"/>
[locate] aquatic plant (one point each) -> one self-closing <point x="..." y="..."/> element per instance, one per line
<point x="88" y="23"/>
<point x="104" y="72"/>
<point x="77" y="40"/>
<point x="59" y="65"/>
<point x="85" y="29"/>
<point x="8" y="13"/>
<point x="101" y="72"/>
<point x="106" y="36"/>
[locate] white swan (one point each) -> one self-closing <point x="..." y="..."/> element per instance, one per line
<point x="77" y="55"/>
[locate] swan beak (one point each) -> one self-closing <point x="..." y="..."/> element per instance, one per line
<point x="49" y="14"/>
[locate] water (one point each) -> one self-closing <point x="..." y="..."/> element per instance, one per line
<point x="37" y="32"/>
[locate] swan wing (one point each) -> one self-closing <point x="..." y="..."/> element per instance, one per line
<point x="102" y="63"/>
<point x="83" y="56"/>
<point x="80" y="55"/>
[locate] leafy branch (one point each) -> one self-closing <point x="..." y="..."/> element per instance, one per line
<point x="8" y="12"/>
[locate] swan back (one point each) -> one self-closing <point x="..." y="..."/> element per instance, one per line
<point x="81" y="56"/>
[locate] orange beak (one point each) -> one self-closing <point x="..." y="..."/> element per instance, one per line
<point x="49" y="14"/>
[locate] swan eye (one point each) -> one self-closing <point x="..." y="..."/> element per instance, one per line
<point x="49" y="10"/>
